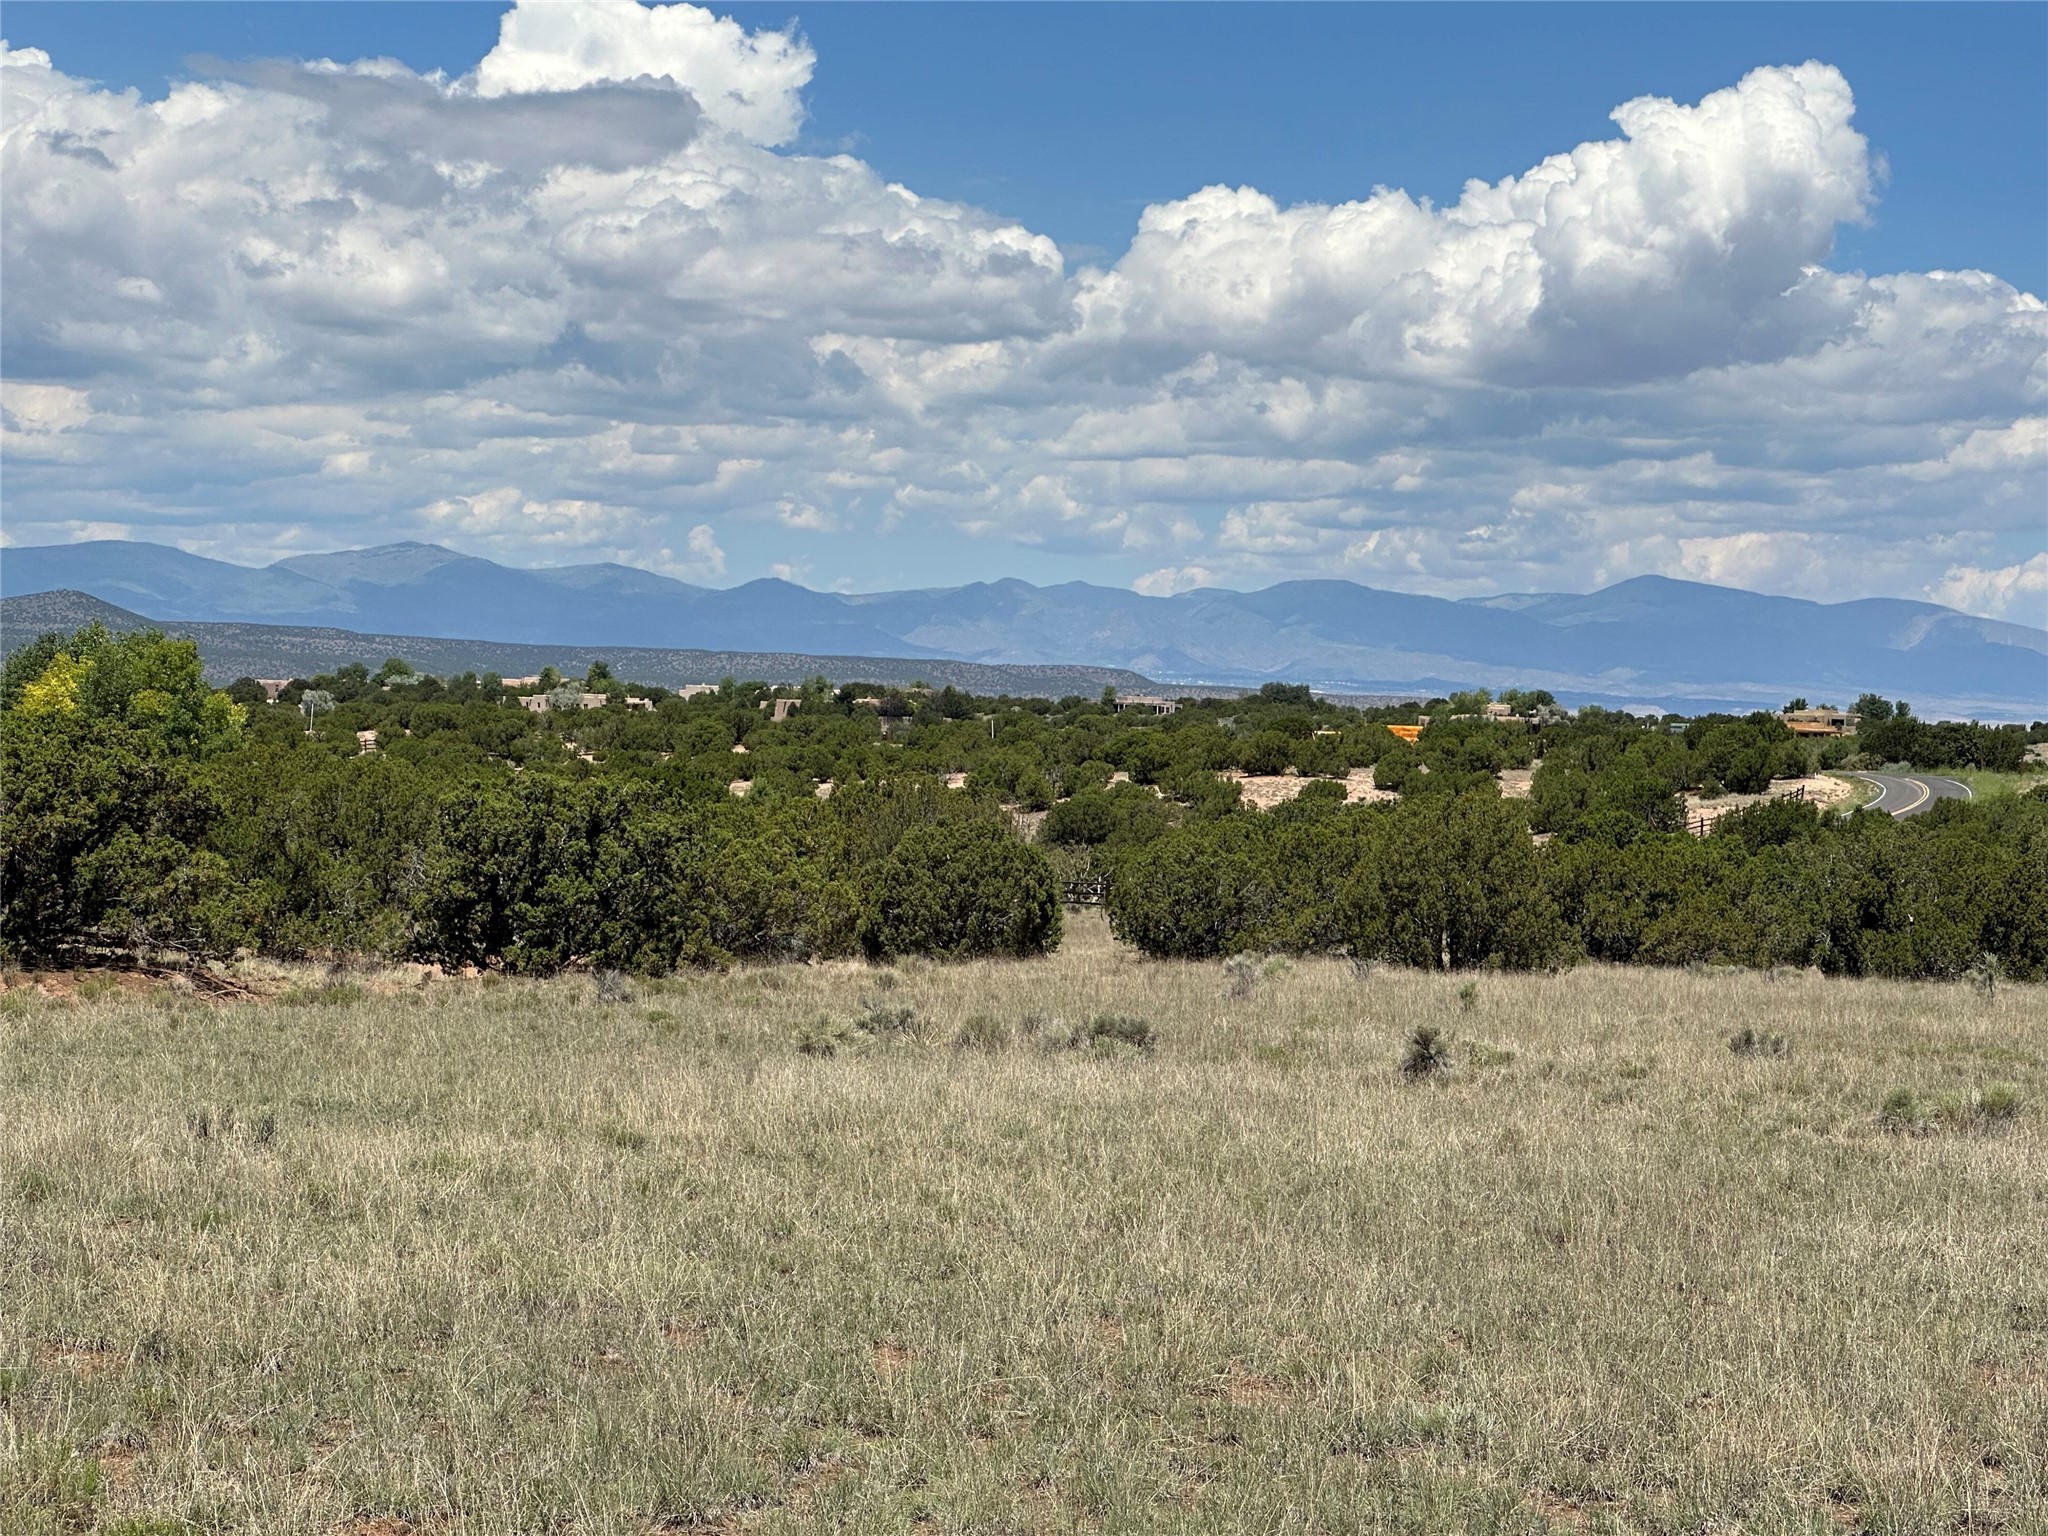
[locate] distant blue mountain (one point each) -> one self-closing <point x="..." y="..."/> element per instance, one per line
<point x="1645" y="641"/>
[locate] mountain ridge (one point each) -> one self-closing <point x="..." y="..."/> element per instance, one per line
<point x="1648" y="639"/>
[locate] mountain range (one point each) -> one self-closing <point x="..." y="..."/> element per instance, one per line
<point x="230" y="650"/>
<point x="1648" y="640"/>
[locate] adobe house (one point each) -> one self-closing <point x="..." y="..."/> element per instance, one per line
<point x="541" y="703"/>
<point x="1151" y="702"/>
<point x="1821" y="722"/>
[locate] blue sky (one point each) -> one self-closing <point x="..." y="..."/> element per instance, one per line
<point x="1714" y="363"/>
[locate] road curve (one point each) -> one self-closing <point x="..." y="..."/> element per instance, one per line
<point x="1908" y="794"/>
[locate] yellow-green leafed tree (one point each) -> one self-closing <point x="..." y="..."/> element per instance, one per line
<point x="102" y="805"/>
<point x="144" y="680"/>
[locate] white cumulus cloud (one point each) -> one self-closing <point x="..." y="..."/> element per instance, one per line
<point x="579" y="302"/>
<point x="2017" y="592"/>
<point x="749" y="82"/>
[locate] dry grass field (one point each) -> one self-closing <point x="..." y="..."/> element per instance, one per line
<point x="495" y="1256"/>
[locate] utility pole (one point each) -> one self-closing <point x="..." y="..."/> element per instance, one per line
<point x="312" y="703"/>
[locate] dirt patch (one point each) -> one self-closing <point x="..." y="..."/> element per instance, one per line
<point x="81" y="1357"/>
<point x="2021" y="1374"/>
<point x="683" y="1332"/>
<point x="1263" y="791"/>
<point x="1245" y="1388"/>
<point x="890" y="1359"/>
<point x="1517" y="783"/>
<point x="1820" y="789"/>
<point x="1109" y="1331"/>
<point x="815" y="1477"/>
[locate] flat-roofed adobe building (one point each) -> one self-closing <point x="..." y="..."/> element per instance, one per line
<point x="1146" y="703"/>
<point x="1821" y="722"/>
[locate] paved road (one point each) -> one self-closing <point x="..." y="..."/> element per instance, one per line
<point x="1908" y="794"/>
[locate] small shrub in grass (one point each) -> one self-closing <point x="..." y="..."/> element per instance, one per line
<point x="1750" y="1041"/>
<point x="1468" y="996"/>
<point x="824" y="1036"/>
<point x="610" y="986"/>
<point x="880" y="1022"/>
<point x="1240" y="977"/>
<point x="32" y="1186"/>
<point x="1998" y="1105"/>
<point x="97" y="989"/>
<point x="58" y="1482"/>
<point x="1984" y="975"/>
<point x="1428" y="1055"/>
<point x="1105" y="1034"/>
<point x="1900" y="1112"/>
<point x="981" y="1032"/>
<point x="1994" y="1109"/>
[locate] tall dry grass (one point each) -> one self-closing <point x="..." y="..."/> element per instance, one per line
<point x="506" y="1257"/>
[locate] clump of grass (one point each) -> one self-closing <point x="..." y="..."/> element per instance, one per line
<point x="610" y="986"/>
<point x="1900" y="1113"/>
<point x="337" y="994"/>
<point x="1984" y="975"/>
<point x="32" y="1186"/>
<point x="826" y="1036"/>
<point x="1428" y="1054"/>
<point x="206" y="1126"/>
<point x="1106" y="1034"/>
<point x="95" y="989"/>
<point x="1750" y="1041"/>
<point x="60" y="1483"/>
<point x="982" y="1032"/>
<point x="1992" y="1109"/>
<point x="1998" y="1105"/>
<point x="1468" y="996"/>
<point x="627" y="1138"/>
<point x="1413" y="1427"/>
<point x="879" y="1022"/>
<point x="1240" y="978"/>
